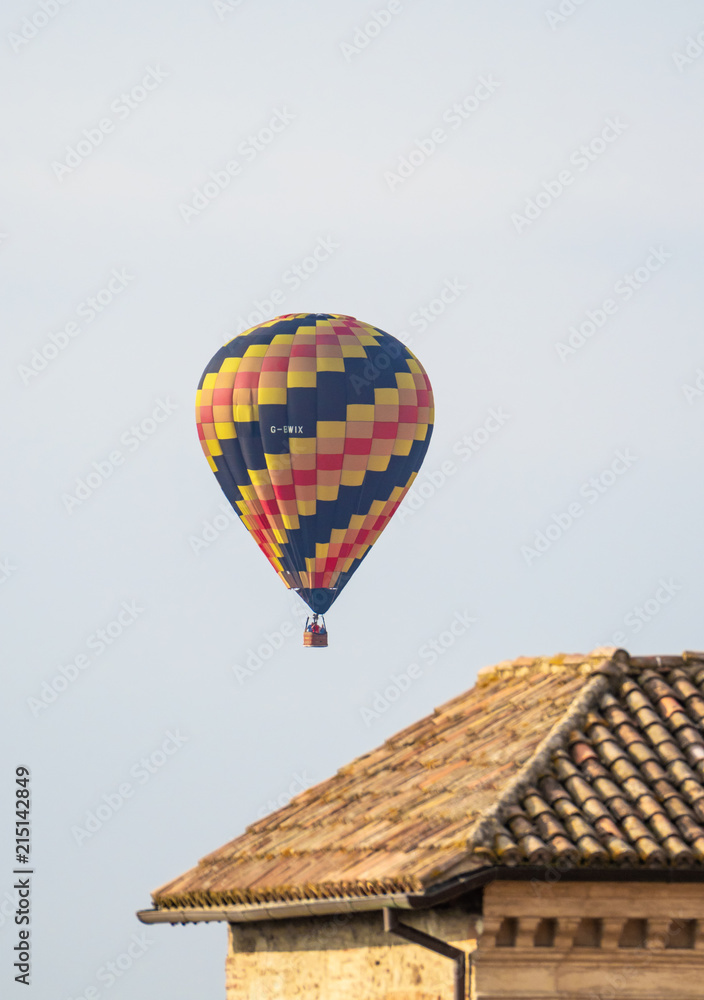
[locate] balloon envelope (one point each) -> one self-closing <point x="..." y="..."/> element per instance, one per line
<point x="315" y="426"/>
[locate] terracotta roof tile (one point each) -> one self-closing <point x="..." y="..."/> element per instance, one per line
<point x="570" y="759"/>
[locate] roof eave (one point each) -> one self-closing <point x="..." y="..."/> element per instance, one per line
<point x="274" y="911"/>
<point x="460" y="885"/>
<point x="436" y="895"/>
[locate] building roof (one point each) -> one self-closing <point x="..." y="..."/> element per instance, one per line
<point x="570" y="760"/>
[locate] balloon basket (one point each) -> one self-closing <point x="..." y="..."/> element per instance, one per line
<point x="315" y="639"/>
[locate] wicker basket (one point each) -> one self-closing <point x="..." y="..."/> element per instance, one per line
<point x="315" y="639"/>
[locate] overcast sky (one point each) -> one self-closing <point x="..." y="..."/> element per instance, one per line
<point x="514" y="189"/>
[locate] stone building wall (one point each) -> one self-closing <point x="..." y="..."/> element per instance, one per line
<point x="345" y="957"/>
<point x="538" y="941"/>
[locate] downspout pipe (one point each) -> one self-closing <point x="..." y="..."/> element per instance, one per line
<point x="392" y="925"/>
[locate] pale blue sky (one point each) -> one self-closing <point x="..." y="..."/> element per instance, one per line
<point x="171" y="291"/>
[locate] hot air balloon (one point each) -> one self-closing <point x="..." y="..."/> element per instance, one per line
<point x="315" y="425"/>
